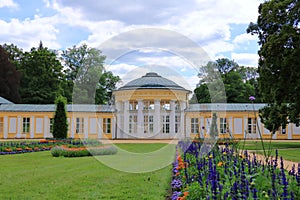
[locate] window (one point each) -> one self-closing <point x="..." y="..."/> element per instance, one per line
<point x="133" y="105"/>
<point x="251" y="125"/>
<point x="148" y="124"/>
<point x="194" y="125"/>
<point x="148" y="105"/>
<point x="79" y="125"/>
<point x="282" y="130"/>
<point x="1" y="124"/>
<point x="26" y="125"/>
<point x="177" y="106"/>
<point x="177" y="123"/>
<point x="107" y="125"/>
<point x="166" y="124"/>
<point x="223" y="125"/>
<point x="51" y="124"/>
<point x="165" y="105"/>
<point x="132" y="124"/>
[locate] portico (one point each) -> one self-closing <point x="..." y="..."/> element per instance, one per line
<point x="150" y="107"/>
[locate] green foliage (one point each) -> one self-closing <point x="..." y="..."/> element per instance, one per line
<point x="239" y="83"/>
<point x="60" y="126"/>
<point x="79" y="152"/>
<point x="277" y="28"/>
<point x="41" y="76"/>
<point x="213" y="130"/>
<point x="9" y="78"/>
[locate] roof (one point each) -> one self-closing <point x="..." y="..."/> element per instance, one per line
<point x="52" y="108"/>
<point x="4" y="101"/>
<point x="209" y="107"/>
<point x="151" y="81"/>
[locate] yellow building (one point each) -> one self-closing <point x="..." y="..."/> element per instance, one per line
<point x="150" y="107"/>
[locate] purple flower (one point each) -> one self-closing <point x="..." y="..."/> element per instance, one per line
<point x="251" y="98"/>
<point x="176" y="184"/>
<point x="175" y="195"/>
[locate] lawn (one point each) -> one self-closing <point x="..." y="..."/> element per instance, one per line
<point x="288" y="150"/>
<point x="41" y="176"/>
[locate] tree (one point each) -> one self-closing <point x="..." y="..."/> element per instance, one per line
<point x="278" y="32"/>
<point x="213" y="130"/>
<point x="84" y="68"/>
<point x="107" y="83"/>
<point x="41" y="76"/>
<point x="9" y="78"/>
<point x="238" y="87"/>
<point x="60" y="126"/>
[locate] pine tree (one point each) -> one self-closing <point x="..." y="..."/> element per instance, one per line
<point x="60" y="126"/>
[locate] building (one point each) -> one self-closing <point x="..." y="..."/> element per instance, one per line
<point x="150" y="107"/>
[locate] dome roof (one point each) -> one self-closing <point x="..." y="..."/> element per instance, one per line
<point x="151" y="81"/>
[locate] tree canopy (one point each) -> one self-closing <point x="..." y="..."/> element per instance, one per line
<point x="239" y="83"/>
<point x="278" y="31"/>
<point x="9" y="78"/>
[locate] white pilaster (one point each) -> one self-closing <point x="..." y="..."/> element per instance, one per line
<point x="86" y="127"/>
<point x="290" y="127"/>
<point x="100" y="128"/>
<point x="32" y="127"/>
<point x="19" y="125"/>
<point x="172" y="118"/>
<point x="184" y="131"/>
<point x="156" y="118"/>
<point x="230" y="126"/>
<point x="140" y="117"/>
<point x="119" y="113"/>
<point x="5" y="127"/>
<point x="113" y="127"/>
<point x="201" y="129"/>
<point x="126" y="118"/>
<point x="46" y="126"/>
<point x="72" y="127"/>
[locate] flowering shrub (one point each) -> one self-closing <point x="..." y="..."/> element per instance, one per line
<point x="82" y="151"/>
<point x="223" y="173"/>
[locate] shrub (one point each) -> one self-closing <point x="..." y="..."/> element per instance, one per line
<point x="60" y="126"/>
<point x="57" y="151"/>
<point x="79" y="152"/>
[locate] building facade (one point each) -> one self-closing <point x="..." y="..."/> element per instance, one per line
<point x="150" y="107"/>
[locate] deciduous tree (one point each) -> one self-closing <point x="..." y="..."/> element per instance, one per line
<point x="278" y="32"/>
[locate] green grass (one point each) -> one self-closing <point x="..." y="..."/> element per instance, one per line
<point x="288" y="150"/>
<point x="41" y="176"/>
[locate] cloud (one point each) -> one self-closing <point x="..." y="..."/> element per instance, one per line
<point x="245" y="59"/>
<point x="244" y="38"/>
<point x="8" y="3"/>
<point x="28" y="33"/>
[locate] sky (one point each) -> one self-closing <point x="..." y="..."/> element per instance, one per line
<point x="138" y="36"/>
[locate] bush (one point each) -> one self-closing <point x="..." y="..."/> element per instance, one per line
<point x="79" y="152"/>
<point x="60" y="126"/>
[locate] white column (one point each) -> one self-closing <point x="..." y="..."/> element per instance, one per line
<point x="100" y="127"/>
<point x="184" y="131"/>
<point x="119" y="110"/>
<point x="201" y="125"/>
<point x="5" y="127"/>
<point x="156" y="118"/>
<point x="188" y="127"/>
<point x="19" y="125"/>
<point x="230" y="126"/>
<point x="126" y="119"/>
<point x="245" y="127"/>
<point x="140" y="118"/>
<point x="113" y="127"/>
<point x="32" y="127"/>
<point x="46" y="126"/>
<point x="72" y="124"/>
<point x="290" y="126"/>
<point x="172" y="118"/>
<point x="86" y="127"/>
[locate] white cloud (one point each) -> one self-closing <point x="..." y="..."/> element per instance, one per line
<point x="28" y="33"/>
<point x="244" y="38"/>
<point x="8" y="3"/>
<point x="245" y="59"/>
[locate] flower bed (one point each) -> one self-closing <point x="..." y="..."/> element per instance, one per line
<point x="16" y="147"/>
<point x="82" y="151"/>
<point x="224" y="174"/>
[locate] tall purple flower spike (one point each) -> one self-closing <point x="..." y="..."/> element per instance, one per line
<point x="251" y="98"/>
